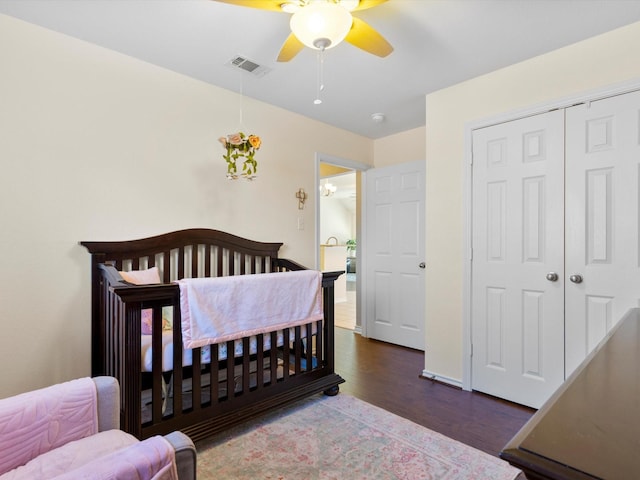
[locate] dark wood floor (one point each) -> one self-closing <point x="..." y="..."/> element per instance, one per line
<point x="387" y="376"/>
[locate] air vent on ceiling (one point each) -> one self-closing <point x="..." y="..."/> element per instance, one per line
<point x="248" y="66"/>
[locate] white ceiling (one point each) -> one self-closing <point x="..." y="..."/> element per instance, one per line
<point x="437" y="43"/>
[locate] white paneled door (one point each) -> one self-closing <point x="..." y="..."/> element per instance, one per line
<point x="517" y="265"/>
<point x="556" y="251"/>
<point x="602" y="264"/>
<point x="395" y="254"/>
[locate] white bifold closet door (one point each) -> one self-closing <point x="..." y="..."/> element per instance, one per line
<point x="603" y="168"/>
<point x="556" y="257"/>
<point x="517" y="313"/>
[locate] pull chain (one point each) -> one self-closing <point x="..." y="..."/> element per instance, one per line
<point x="318" y="99"/>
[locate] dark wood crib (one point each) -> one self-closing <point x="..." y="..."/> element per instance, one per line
<point x="199" y="394"/>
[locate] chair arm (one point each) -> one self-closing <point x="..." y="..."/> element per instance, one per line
<point x="108" y="391"/>
<point x="185" y="454"/>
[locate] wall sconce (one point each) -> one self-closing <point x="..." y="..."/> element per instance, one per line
<point x="327" y="189"/>
<point x="301" y="195"/>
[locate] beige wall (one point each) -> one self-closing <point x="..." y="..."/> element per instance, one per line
<point x="604" y="60"/>
<point x="402" y="147"/>
<point x="98" y="146"/>
<point x="95" y="145"/>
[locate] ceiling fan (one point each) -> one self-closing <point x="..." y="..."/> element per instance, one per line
<point x="322" y="24"/>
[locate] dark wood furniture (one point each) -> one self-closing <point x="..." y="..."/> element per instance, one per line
<point x="590" y="428"/>
<point x="205" y="397"/>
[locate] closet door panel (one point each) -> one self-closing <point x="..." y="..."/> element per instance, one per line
<point x="602" y="227"/>
<point x="517" y="313"/>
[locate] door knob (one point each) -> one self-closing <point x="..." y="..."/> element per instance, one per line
<point x="422" y="265"/>
<point x="552" y="276"/>
<point x="575" y="278"/>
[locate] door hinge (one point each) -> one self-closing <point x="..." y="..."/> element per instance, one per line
<point x="471" y="253"/>
<point x="471" y="355"/>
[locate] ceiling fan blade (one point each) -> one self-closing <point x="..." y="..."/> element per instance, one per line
<point x="364" y="4"/>
<point x="261" y="4"/>
<point x="363" y="36"/>
<point x="290" y="48"/>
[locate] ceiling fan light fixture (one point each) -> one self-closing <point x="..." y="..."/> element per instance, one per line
<point x="321" y="25"/>
<point x="290" y="7"/>
<point x="349" y="5"/>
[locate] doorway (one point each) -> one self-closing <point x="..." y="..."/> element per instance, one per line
<point x="332" y="168"/>
<point x="339" y="217"/>
<point x="389" y="205"/>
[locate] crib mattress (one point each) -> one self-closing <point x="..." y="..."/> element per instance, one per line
<point x="205" y="352"/>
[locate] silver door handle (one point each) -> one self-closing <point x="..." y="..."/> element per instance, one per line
<point x="552" y="276"/>
<point x="575" y="278"/>
<point x="422" y="265"/>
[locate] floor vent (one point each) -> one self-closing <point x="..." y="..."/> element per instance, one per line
<point x="247" y="65"/>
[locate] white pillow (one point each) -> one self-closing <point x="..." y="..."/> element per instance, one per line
<point x="142" y="277"/>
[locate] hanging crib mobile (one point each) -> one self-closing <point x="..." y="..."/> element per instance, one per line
<point x="241" y="148"/>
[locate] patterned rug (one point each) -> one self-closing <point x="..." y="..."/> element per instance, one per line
<point x="341" y="438"/>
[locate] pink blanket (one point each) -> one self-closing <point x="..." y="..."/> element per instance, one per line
<point x="151" y="459"/>
<point x="35" y="422"/>
<point x="218" y="309"/>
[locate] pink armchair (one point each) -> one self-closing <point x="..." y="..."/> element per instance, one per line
<point x="71" y="430"/>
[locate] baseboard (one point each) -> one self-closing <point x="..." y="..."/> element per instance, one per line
<point x="439" y="378"/>
<point x="358" y="329"/>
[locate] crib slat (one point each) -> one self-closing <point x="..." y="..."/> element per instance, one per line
<point x="243" y="264"/>
<point x="232" y="262"/>
<point x="286" y="354"/>
<point x="246" y="365"/>
<point x="273" y="358"/>
<point x="111" y="336"/>
<point x="196" y="378"/>
<point x="177" y="362"/>
<point x="156" y="363"/>
<point x="297" y="347"/>
<point x="166" y="264"/>
<point x="180" y="262"/>
<point x="214" y="385"/>
<point x="230" y="370"/>
<point x="259" y="361"/>
<point x="194" y="261"/>
<point x="309" y="347"/>
<point x="319" y="345"/>
<point x="220" y="261"/>
<point x="207" y="260"/>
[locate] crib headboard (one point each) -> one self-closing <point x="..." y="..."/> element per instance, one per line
<point x="193" y="252"/>
<point x="189" y="253"/>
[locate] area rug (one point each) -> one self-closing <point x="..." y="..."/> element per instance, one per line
<point x="341" y="438"/>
